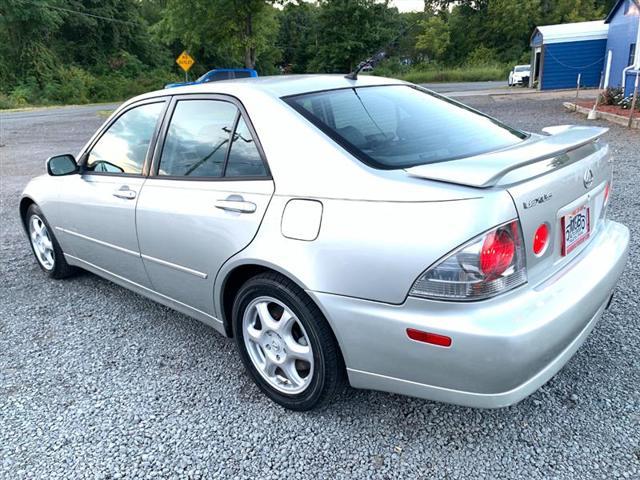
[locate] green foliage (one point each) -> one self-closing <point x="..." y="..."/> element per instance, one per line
<point x="482" y="56"/>
<point x="615" y="97"/>
<point x="349" y="31"/>
<point x="434" y="39"/>
<point x="611" y="96"/>
<point x="78" y="51"/>
<point x="456" y="74"/>
<point x="297" y="36"/>
<point x="231" y="33"/>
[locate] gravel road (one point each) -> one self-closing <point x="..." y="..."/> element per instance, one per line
<point x="98" y="382"/>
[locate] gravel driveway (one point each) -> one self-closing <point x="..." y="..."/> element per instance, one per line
<point x="98" y="382"/>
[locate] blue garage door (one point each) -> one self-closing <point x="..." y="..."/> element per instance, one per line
<point x="564" y="61"/>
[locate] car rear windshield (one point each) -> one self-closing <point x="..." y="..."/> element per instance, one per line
<point x="524" y="68"/>
<point x="398" y="126"/>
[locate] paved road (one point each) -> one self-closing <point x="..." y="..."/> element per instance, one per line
<point x="98" y="382"/>
<point x="55" y="113"/>
<point x="466" y="86"/>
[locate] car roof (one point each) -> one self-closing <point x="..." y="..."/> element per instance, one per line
<point x="277" y="85"/>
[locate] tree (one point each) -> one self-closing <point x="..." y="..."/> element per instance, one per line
<point x="434" y="39"/>
<point x="297" y="36"/>
<point x="349" y="31"/>
<point x="26" y="33"/>
<point x="235" y="31"/>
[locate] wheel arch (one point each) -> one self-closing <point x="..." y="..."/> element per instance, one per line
<point x="234" y="276"/>
<point x="25" y="203"/>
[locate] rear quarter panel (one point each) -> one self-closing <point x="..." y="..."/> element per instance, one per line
<point x="368" y="249"/>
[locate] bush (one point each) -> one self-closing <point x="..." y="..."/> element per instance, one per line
<point x="454" y="74"/>
<point x="611" y="96"/>
<point x="74" y="85"/>
<point x="626" y="102"/>
<point x="482" y="57"/>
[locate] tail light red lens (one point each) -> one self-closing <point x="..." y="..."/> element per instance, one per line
<point x="607" y="191"/>
<point x="485" y="266"/>
<point x="540" y="239"/>
<point x="497" y="253"/>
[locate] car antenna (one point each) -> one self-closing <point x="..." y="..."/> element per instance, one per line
<point x="379" y="56"/>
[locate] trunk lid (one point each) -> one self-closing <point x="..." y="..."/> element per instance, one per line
<point x="548" y="177"/>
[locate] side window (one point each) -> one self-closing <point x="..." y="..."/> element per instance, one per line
<point x="123" y="147"/>
<point x="198" y="139"/>
<point x="244" y="158"/>
<point x="242" y="74"/>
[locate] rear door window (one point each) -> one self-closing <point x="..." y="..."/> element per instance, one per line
<point x="209" y="139"/>
<point x="244" y="158"/>
<point x="397" y="126"/>
<point x="198" y="138"/>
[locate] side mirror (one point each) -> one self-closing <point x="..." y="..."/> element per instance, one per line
<point x="59" y="165"/>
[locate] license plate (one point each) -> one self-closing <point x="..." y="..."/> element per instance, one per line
<point x="576" y="227"/>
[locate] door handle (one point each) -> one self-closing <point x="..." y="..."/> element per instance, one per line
<point x="125" y="192"/>
<point x="238" y="206"/>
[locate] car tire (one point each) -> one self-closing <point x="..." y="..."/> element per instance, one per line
<point x="286" y="344"/>
<point x="45" y="246"/>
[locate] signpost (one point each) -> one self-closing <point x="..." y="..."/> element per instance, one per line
<point x="185" y="61"/>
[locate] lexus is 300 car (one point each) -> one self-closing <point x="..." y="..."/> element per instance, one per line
<point x="363" y="230"/>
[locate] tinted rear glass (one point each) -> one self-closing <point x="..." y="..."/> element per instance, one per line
<point x="523" y="69"/>
<point x="401" y="126"/>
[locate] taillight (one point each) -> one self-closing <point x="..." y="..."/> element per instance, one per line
<point x="497" y="253"/>
<point x="607" y="191"/>
<point x="488" y="265"/>
<point x="541" y="239"/>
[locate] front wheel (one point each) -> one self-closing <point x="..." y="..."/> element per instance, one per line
<point x="286" y="343"/>
<point x="45" y="246"/>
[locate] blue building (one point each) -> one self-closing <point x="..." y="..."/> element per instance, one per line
<point x="622" y="45"/>
<point x="562" y="52"/>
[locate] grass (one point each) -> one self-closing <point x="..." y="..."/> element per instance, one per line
<point x="456" y="74"/>
<point x="104" y="113"/>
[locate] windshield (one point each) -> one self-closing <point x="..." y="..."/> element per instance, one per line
<point x="397" y="126"/>
<point x="524" y="68"/>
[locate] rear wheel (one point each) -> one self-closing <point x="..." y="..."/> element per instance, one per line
<point x="45" y="246"/>
<point x="286" y="343"/>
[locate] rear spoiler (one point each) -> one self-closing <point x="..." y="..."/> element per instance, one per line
<point x="485" y="170"/>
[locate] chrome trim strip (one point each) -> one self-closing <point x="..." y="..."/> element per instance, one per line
<point x="142" y="287"/>
<point x="99" y="242"/>
<point x="175" y="266"/>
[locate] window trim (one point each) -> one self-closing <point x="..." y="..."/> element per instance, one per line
<point x="242" y="113"/>
<point x="357" y="153"/>
<point x="84" y="156"/>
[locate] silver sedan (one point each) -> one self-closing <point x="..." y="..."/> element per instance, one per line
<point x="364" y="230"/>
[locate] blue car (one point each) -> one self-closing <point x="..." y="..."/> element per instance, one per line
<point x="218" y="74"/>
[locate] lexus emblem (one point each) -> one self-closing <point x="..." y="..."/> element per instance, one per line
<point x="588" y="178"/>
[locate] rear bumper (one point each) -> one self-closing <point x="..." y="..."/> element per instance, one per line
<point x="503" y="349"/>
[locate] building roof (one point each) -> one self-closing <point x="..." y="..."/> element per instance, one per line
<point x="615" y="8"/>
<point x="570" y="32"/>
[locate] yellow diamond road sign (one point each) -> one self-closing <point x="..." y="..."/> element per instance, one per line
<point x="185" y="61"/>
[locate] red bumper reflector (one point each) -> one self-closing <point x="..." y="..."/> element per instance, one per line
<point x="427" y="337"/>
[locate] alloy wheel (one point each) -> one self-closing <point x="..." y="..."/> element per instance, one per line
<point x="278" y="345"/>
<point x="41" y="242"/>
